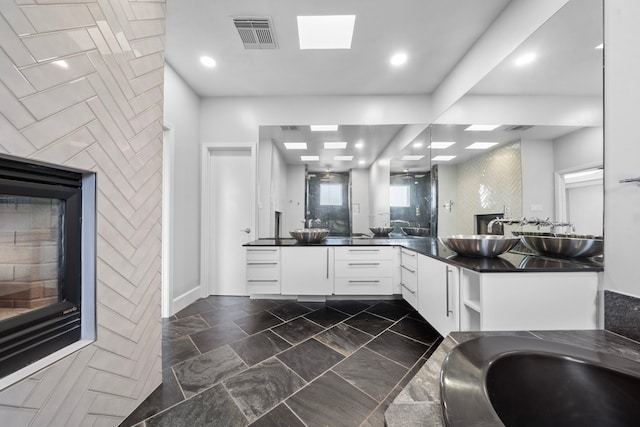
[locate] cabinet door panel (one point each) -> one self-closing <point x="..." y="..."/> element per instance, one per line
<point x="307" y="271"/>
<point x="438" y="294"/>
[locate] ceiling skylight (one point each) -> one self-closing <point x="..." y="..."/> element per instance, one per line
<point x="412" y="157"/>
<point x="343" y="158"/>
<point x="482" y="127"/>
<point x="321" y="128"/>
<point x="208" y="61"/>
<point x="335" y="145"/>
<point x="443" y="158"/>
<point x="310" y="158"/>
<point x="295" y="145"/>
<point x="441" y="145"/>
<point x="480" y="145"/>
<point x="326" y="32"/>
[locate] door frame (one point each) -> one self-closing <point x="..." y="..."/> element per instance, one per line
<point x="205" y="231"/>
<point x="561" y="189"/>
<point x="168" y="169"/>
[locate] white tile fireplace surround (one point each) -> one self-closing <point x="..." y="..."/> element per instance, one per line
<point x="81" y="86"/>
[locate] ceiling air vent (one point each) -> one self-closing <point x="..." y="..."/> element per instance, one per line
<point x="256" y="33"/>
<point x="518" y="128"/>
<point x="289" y="128"/>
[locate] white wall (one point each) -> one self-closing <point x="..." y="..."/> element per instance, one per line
<point x="360" y="200"/>
<point x="271" y="186"/>
<point x="294" y="205"/>
<point x="447" y="192"/>
<point x="583" y="147"/>
<point x="182" y="112"/>
<point x="279" y="184"/>
<point x="379" y="198"/>
<point x="537" y="178"/>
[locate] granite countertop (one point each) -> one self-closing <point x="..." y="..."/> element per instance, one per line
<point x="419" y="404"/>
<point x="505" y="263"/>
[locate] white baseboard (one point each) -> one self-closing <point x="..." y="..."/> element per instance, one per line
<point x="185" y="299"/>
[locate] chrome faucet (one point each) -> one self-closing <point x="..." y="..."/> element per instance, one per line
<point x="529" y="221"/>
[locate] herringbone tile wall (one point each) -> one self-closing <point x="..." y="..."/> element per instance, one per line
<point x="81" y="84"/>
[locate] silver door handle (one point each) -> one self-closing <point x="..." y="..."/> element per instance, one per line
<point x="246" y="230"/>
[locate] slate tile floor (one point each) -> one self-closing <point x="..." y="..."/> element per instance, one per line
<point x="232" y="361"/>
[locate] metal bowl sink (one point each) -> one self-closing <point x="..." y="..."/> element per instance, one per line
<point x="478" y="245"/>
<point x="309" y="235"/>
<point x="565" y="245"/>
<point x="381" y="231"/>
<point x="416" y="231"/>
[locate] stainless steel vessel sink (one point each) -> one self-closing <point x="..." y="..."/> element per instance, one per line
<point x="309" y="235"/>
<point x="416" y="231"/>
<point x="478" y="245"/>
<point x="564" y="245"/>
<point x="381" y="231"/>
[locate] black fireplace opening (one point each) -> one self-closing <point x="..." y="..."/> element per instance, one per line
<point x="41" y="268"/>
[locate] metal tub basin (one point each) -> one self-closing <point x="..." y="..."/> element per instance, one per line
<point x="381" y="231"/>
<point x="416" y="231"/>
<point x="309" y="235"/>
<point x="565" y="245"/>
<point x="478" y="245"/>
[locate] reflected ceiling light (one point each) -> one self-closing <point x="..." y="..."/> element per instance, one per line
<point x="482" y="127"/>
<point x="321" y="128"/>
<point x="361" y="162"/>
<point x="310" y="158"/>
<point x="295" y="145"/>
<point x="417" y="144"/>
<point x="61" y="63"/>
<point x="480" y="145"/>
<point x="326" y="32"/>
<point x="398" y="59"/>
<point x="525" y="59"/>
<point x="412" y="157"/>
<point x="208" y="61"/>
<point x="443" y="158"/>
<point x="600" y="46"/>
<point x="441" y="145"/>
<point x="359" y="145"/>
<point x="343" y="158"/>
<point x="335" y="145"/>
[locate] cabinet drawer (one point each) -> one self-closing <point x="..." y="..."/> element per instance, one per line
<point x="263" y="270"/>
<point x="364" y="268"/>
<point x="359" y="253"/>
<point x="409" y="259"/>
<point x="260" y="287"/>
<point x="410" y="295"/>
<point x="409" y="278"/>
<point x="267" y="253"/>
<point x="363" y="286"/>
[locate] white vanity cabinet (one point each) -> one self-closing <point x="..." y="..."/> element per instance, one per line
<point x="364" y="270"/>
<point x="307" y="270"/>
<point x="409" y="276"/>
<point x="438" y="300"/>
<point x="263" y="270"/>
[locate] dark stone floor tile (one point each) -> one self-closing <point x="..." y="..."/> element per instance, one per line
<point x="371" y="373"/>
<point x="259" y="347"/>
<point x="310" y="359"/>
<point x="213" y="407"/>
<point x="420" y="331"/>
<point x="331" y="401"/>
<point x="398" y="348"/>
<point x="369" y="323"/>
<point x="257" y="322"/>
<point x="400" y="303"/>
<point x="343" y="338"/>
<point x="164" y="396"/>
<point x="257" y="305"/>
<point x="262" y="387"/>
<point x="200" y="373"/>
<point x="412" y="372"/>
<point x="280" y="416"/>
<point x="297" y="330"/>
<point x="184" y="326"/>
<point x="389" y="311"/>
<point x="290" y="310"/>
<point x="223" y="316"/>
<point x="348" y="307"/>
<point x="222" y="301"/>
<point x="216" y="337"/>
<point x="194" y="308"/>
<point x="327" y="317"/>
<point x="177" y="350"/>
<point x="313" y="305"/>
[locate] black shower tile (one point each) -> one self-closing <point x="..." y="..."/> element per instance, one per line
<point x="297" y="330"/>
<point x="420" y="331"/>
<point x="398" y="348"/>
<point x="213" y="407"/>
<point x="349" y="307"/>
<point x="216" y="337"/>
<point x="280" y="416"/>
<point x="310" y="359"/>
<point x="164" y="396"/>
<point x="373" y="374"/>
<point x="327" y="317"/>
<point x="343" y="338"/>
<point x="257" y="322"/>
<point x="195" y="308"/>
<point x="262" y="387"/>
<point x="331" y="401"/>
<point x="185" y="326"/>
<point x="200" y="373"/>
<point x="259" y="347"/>
<point x="177" y="350"/>
<point x="369" y="323"/>
<point x="290" y="310"/>
<point x="389" y="311"/>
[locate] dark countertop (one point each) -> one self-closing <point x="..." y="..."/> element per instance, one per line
<point x="506" y="263"/>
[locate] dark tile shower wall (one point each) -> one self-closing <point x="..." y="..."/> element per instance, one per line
<point x="419" y="213"/>
<point x="336" y="218"/>
<point x="622" y="314"/>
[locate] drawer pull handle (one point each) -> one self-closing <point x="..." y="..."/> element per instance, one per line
<point x="262" y="281"/>
<point x="262" y="250"/>
<point x="364" y="263"/>
<point x="407" y="288"/>
<point x="447" y="291"/>
<point x="364" y="250"/>
<point x="408" y="269"/>
<point x="408" y="253"/>
<point x="262" y="263"/>
<point x="364" y="281"/>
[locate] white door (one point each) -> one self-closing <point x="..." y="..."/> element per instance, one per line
<point x="228" y="216"/>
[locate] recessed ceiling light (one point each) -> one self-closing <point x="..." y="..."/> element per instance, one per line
<point x="326" y="32"/>
<point x="335" y="145"/>
<point x="320" y="128"/>
<point x="398" y="59"/>
<point x="295" y="145"/>
<point x="412" y="157"/>
<point x="343" y="158"/>
<point x="525" y="59"/>
<point x="359" y="145"/>
<point x="441" y="145"/>
<point x="362" y="162"/>
<point x="483" y="127"/>
<point x="208" y="61"/>
<point x="443" y="158"/>
<point x="600" y="46"/>
<point x="480" y="145"/>
<point x="417" y="144"/>
<point x="61" y="63"/>
<point x="309" y="158"/>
